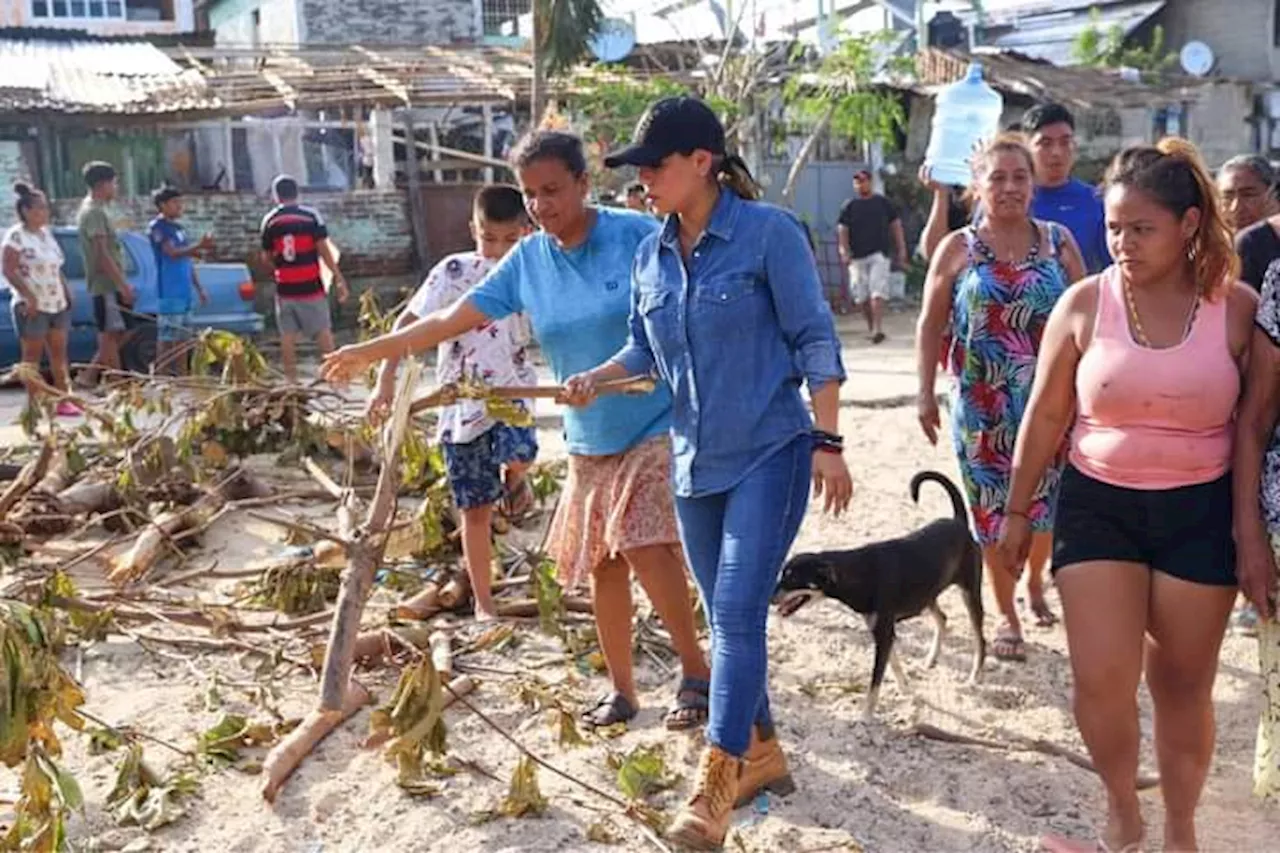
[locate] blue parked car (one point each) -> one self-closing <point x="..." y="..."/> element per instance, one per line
<point x="231" y="306"/>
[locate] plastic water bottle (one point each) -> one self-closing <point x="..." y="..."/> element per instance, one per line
<point x="964" y="113"/>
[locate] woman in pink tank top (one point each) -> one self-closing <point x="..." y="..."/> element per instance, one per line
<point x="1147" y="357"/>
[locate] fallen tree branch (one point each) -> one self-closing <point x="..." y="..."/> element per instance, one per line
<point x="340" y="695"/>
<point x="194" y="618"/>
<point x="27" y="479"/>
<point x="149" y="545"/>
<point x="529" y="607"/>
<point x="285" y="756"/>
<point x="1021" y="744"/>
<point x="364" y="549"/>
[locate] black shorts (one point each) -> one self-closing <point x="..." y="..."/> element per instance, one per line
<point x="1183" y="532"/>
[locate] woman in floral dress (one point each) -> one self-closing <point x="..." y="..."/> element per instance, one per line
<point x="1256" y="482"/>
<point x="995" y="284"/>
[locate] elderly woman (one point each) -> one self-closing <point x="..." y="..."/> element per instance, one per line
<point x="995" y="284"/>
<point x="1248" y="187"/>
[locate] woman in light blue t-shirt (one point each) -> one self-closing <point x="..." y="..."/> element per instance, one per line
<point x="572" y="280"/>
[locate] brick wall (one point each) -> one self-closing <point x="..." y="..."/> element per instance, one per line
<point x="389" y="21"/>
<point x="370" y="227"/>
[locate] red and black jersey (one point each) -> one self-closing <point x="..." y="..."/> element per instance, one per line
<point x="292" y="234"/>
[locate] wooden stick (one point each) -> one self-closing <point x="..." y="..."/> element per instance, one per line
<point x="31" y="474"/>
<point x="455" y="592"/>
<point x="1021" y="744"/>
<point x="320" y="476"/>
<point x="529" y="607"/>
<point x="89" y="498"/>
<point x="285" y="756"/>
<point x="441" y="653"/>
<point x="58" y="477"/>
<point x="193" y="618"/>
<point x="364" y="552"/>
<point x="422" y="605"/>
<point x="448" y="394"/>
<point x="150" y="544"/>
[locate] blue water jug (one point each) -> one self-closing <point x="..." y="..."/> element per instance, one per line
<point x="964" y="113"/>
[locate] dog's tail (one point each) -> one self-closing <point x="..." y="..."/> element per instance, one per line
<point x="957" y="500"/>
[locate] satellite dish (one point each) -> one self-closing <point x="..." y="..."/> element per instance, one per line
<point x="1197" y="58"/>
<point x="615" y="40"/>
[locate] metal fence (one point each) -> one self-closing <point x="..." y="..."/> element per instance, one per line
<point x="822" y="188"/>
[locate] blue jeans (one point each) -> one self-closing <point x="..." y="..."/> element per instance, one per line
<point x="735" y="542"/>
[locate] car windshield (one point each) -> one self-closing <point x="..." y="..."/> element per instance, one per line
<point x="74" y="267"/>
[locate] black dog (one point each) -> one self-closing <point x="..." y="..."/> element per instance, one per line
<point x="890" y="581"/>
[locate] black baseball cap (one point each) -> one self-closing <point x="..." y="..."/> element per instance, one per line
<point x="679" y="125"/>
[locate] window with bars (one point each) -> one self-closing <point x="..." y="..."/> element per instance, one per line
<point x="500" y="18"/>
<point x="104" y="9"/>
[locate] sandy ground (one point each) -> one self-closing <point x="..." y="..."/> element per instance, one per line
<point x="870" y="786"/>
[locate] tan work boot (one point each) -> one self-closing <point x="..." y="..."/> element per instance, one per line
<point x="764" y="768"/>
<point x="704" y="820"/>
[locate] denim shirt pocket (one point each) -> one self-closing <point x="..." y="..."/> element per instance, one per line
<point x="725" y="289"/>
<point x="658" y="309"/>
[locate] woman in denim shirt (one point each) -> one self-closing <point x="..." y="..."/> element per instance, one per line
<point x="728" y="309"/>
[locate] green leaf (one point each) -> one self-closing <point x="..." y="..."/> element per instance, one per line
<point x="642" y="772"/>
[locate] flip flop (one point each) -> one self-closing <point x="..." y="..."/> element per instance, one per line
<point x="612" y="708"/>
<point x="692" y="705"/>
<point x="517" y="502"/>
<point x="1009" y="646"/>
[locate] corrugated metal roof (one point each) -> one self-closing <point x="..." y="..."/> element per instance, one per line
<point x="1077" y="87"/>
<point x="1051" y="35"/>
<point x="127" y="77"/>
<point x="95" y="76"/>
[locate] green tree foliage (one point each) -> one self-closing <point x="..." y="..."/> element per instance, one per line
<point x="840" y="96"/>
<point x="1107" y="48"/>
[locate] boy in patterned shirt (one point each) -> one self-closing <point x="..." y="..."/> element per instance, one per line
<point x="486" y="459"/>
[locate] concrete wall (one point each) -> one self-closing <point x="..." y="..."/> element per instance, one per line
<point x="278" y="23"/>
<point x="1238" y="31"/>
<point x="389" y="21"/>
<point x="371" y="228"/>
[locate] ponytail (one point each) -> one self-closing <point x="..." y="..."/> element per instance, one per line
<point x="732" y="173"/>
<point x="1174" y="174"/>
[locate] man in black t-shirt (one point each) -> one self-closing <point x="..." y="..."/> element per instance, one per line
<point x="870" y="234"/>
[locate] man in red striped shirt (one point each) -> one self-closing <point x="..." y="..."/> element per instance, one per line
<point x="295" y="238"/>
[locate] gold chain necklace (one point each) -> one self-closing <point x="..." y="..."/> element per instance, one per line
<point x="1139" y="332"/>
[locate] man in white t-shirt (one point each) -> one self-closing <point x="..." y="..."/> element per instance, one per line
<point x="486" y="459"/>
<point x="40" y="303"/>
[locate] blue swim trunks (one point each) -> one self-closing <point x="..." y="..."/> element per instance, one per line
<point x="475" y="468"/>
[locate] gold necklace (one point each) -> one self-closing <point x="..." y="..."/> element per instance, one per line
<point x="1139" y="332"/>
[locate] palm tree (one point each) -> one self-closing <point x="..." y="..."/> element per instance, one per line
<point x="562" y="35"/>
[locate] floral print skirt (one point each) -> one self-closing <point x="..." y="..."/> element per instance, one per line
<point x="610" y="505"/>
